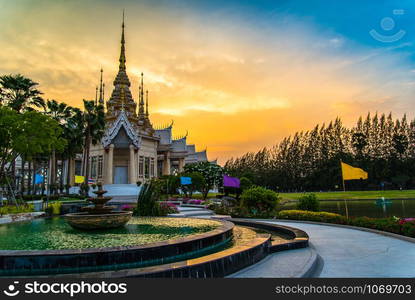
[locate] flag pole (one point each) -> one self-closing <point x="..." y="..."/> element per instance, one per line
<point x="344" y="191"/>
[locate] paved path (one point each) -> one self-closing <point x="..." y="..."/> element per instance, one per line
<point x="292" y="263"/>
<point x="355" y="253"/>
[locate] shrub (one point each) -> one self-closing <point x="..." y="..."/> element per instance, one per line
<point x="167" y="208"/>
<point x="384" y="224"/>
<point x="312" y="216"/>
<point x="31" y="197"/>
<point x="408" y="229"/>
<point x="147" y="204"/>
<point x="308" y="202"/>
<point x="127" y="207"/>
<point x="235" y="212"/>
<point x="12" y="209"/>
<point x="195" y="201"/>
<point x="53" y="208"/>
<point x="169" y="184"/>
<point x="259" y="200"/>
<point x="245" y="183"/>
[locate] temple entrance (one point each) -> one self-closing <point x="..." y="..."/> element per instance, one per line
<point x="121" y="175"/>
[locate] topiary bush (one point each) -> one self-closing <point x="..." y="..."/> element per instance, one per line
<point x="308" y="202"/>
<point x="258" y="201"/>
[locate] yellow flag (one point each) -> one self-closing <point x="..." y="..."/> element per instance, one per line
<point x="349" y="172"/>
<point x="79" y="179"/>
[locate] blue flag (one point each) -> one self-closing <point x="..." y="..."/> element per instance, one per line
<point x="38" y="179"/>
<point x="185" y="180"/>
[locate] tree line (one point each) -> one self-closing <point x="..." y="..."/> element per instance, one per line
<point x="42" y="133"/>
<point x="310" y="160"/>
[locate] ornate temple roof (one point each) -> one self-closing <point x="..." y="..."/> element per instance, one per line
<point x="121" y="122"/>
<point x="179" y="145"/>
<point x="196" y="157"/>
<point x="164" y="135"/>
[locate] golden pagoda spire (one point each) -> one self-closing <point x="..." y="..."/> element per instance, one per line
<point x="122" y="54"/>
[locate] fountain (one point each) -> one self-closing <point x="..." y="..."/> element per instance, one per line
<point x="98" y="216"/>
<point x="146" y="247"/>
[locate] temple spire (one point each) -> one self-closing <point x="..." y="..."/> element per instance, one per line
<point x="103" y="96"/>
<point x="101" y="89"/>
<point x="141" y="96"/>
<point x="96" y="95"/>
<point x="147" y="103"/>
<point x="122" y="53"/>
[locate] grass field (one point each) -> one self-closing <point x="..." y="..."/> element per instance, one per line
<point x="405" y="194"/>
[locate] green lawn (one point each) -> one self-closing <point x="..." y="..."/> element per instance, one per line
<point x="354" y="195"/>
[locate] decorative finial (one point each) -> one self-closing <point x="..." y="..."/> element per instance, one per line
<point x="122" y="54"/>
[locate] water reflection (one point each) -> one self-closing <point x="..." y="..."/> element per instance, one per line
<point x="368" y="208"/>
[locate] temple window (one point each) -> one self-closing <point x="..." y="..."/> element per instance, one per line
<point x="93" y="166"/>
<point x="147" y="167"/>
<point x="100" y="165"/>
<point x="152" y="167"/>
<point x="141" y="166"/>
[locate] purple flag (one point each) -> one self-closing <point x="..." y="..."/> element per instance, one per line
<point x="231" y="181"/>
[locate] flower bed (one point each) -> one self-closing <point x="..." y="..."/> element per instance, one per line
<point x="394" y="225"/>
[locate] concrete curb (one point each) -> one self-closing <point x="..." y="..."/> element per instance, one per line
<point x="311" y="266"/>
<point x="384" y="233"/>
<point x="21" y="217"/>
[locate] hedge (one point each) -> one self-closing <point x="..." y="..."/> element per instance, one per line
<point x="384" y="224"/>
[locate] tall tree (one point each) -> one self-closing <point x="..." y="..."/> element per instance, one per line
<point x="94" y="126"/>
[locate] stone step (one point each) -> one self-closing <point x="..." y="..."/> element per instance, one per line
<point x="113" y="190"/>
<point x="192" y="212"/>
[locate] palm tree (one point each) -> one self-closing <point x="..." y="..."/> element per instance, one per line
<point x="20" y="93"/>
<point x="59" y="112"/>
<point x="74" y="134"/>
<point x="94" y="126"/>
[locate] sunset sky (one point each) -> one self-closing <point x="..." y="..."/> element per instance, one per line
<point x="239" y="76"/>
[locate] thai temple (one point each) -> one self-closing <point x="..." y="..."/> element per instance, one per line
<point x="132" y="149"/>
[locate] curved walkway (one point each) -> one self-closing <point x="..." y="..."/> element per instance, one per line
<point x="354" y="253"/>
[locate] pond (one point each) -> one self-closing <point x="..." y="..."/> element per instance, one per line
<point x="56" y="234"/>
<point x="368" y="208"/>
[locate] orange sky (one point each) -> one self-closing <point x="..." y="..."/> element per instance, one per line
<point x="237" y="86"/>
